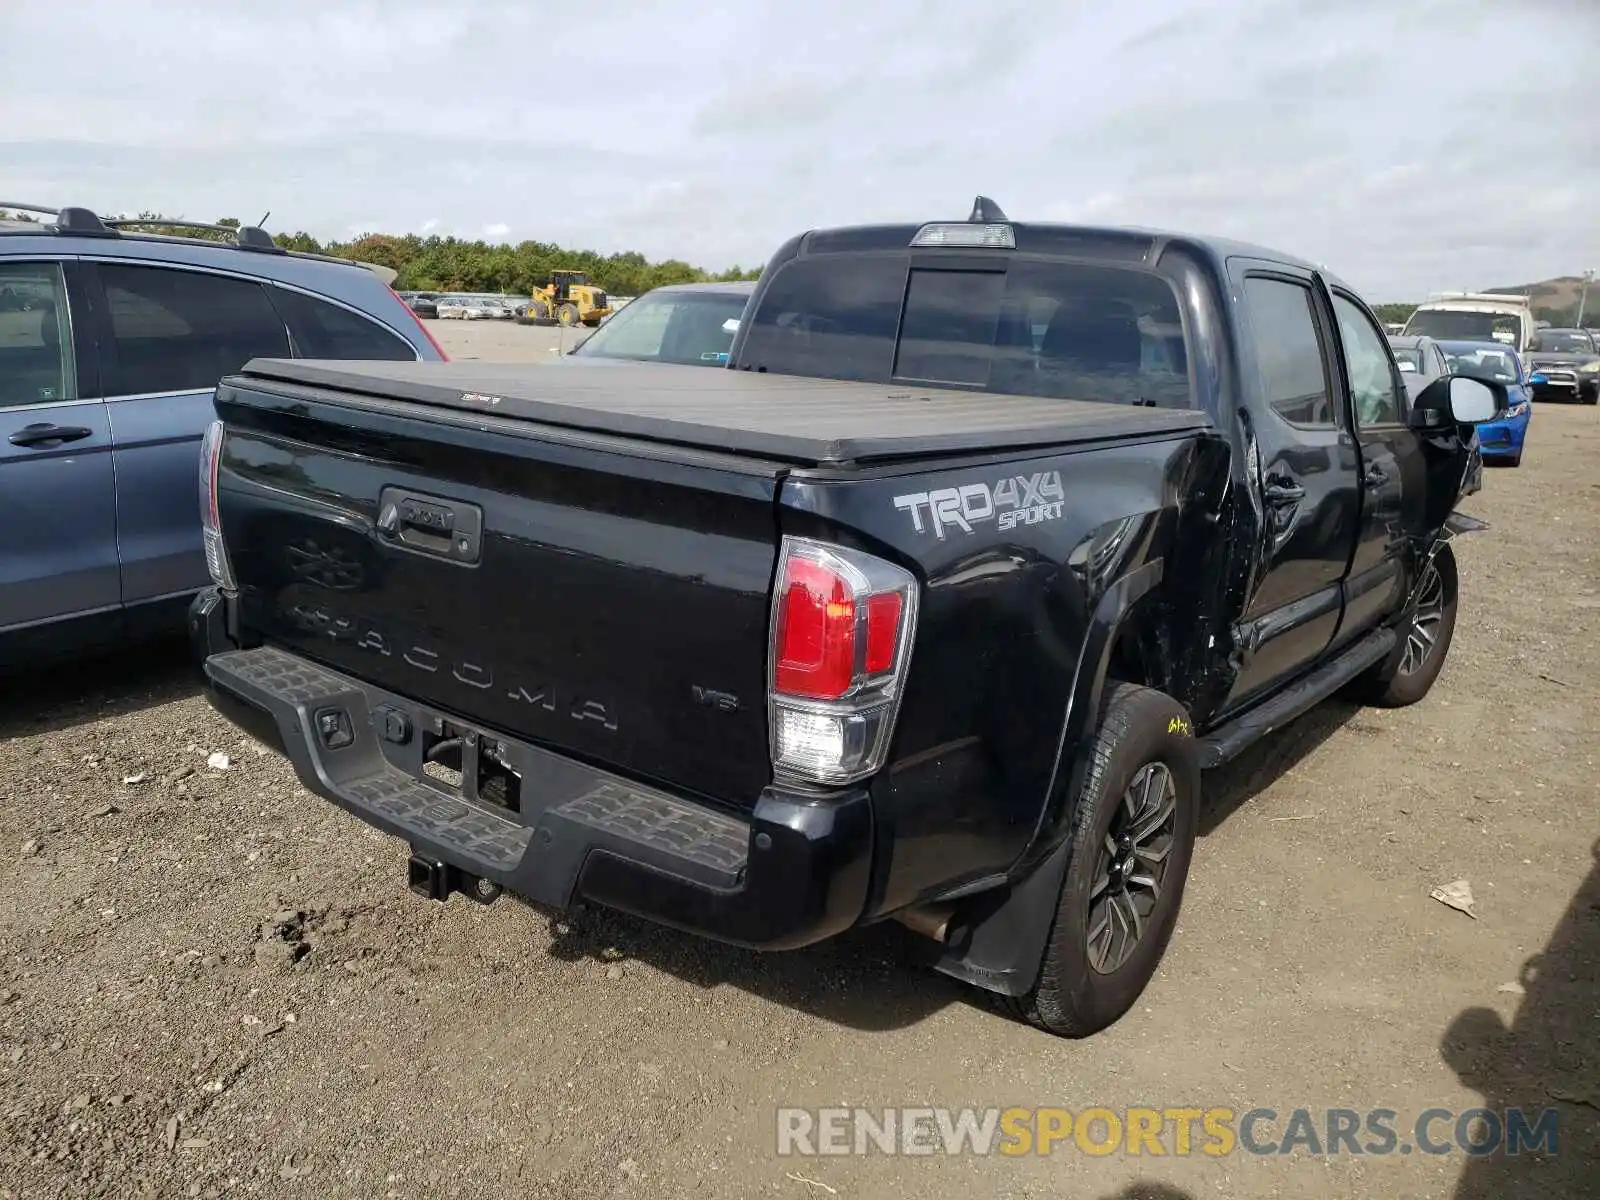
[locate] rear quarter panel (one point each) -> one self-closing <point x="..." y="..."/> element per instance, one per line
<point x="1007" y="606"/>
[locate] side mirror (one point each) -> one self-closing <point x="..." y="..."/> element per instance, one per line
<point x="1461" y="399"/>
<point x="1474" y="400"/>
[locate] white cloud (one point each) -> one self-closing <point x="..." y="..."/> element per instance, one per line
<point x="496" y="231"/>
<point x="1410" y="146"/>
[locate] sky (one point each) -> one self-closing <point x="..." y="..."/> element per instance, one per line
<point x="1409" y="146"/>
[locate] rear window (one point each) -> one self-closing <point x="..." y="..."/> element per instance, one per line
<point x="692" y="328"/>
<point x="1483" y="361"/>
<point x="1063" y="330"/>
<point x="1562" y="341"/>
<point x="1448" y="323"/>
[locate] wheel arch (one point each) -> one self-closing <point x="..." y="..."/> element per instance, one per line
<point x="1003" y="932"/>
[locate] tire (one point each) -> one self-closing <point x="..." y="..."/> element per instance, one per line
<point x="1404" y="677"/>
<point x="1143" y="738"/>
<point x="568" y="315"/>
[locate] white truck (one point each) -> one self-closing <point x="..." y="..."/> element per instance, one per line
<point x="1476" y="317"/>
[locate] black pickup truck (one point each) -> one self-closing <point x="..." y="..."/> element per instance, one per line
<point x="933" y="606"/>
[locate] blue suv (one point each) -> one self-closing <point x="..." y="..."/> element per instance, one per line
<point x="111" y="345"/>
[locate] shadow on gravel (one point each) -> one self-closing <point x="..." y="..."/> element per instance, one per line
<point x="869" y="979"/>
<point x="1229" y="788"/>
<point x="1143" y="1190"/>
<point x="1548" y="1059"/>
<point x="878" y="978"/>
<point x="127" y="681"/>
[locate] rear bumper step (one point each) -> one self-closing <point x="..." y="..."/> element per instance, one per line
<point x="794" y="872"/>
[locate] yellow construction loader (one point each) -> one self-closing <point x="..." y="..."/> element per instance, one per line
<point x="567" y="299"/>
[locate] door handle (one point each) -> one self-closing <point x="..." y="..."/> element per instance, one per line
<point x="43" y="433"/>
<point x="1284" y="492"/>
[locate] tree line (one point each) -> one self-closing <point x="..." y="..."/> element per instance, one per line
<point x="451" y="264"/>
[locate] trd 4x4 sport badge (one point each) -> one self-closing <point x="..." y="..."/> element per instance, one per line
<point x="1014" y="500"/>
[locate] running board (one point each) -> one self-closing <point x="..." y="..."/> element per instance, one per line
<point x="1227" y="742"/>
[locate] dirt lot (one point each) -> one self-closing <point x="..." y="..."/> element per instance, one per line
<point x="212" y="983"/>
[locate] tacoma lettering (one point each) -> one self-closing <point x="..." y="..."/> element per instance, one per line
<point x="356" y="632"/>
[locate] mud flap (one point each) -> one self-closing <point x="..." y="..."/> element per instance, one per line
<point x="1459" y="522"/>
<point x="1000" y="942"/>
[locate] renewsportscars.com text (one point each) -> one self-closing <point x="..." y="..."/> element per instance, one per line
<point x="1162" y="1132"/>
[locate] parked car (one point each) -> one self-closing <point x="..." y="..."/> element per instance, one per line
<point x="455" y="308"/>
<point x="1568" y="363"/>
<point x="108" y="361"/>
<point x="1501" y="439"/>
<point x="899" y="616"/>
<point x="1419" y="356"/>
<point x="1420" y="360"/>
<point x="1504" y="317"/>
<point x="688" y="323"/>
<point x="424" y="304"/>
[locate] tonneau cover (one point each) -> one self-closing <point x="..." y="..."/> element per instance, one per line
<point x="786" y="417"/>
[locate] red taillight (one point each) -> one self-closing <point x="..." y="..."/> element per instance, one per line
<point x="883" y="627"/>
<point x="841" y="631"/>
<point x="816" y="635"/>
<point x="426" y="332"/>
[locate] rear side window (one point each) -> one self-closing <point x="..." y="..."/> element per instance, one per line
<point x="1294" y="379"/>
<point x="174" y="330"/>
<point x="832" y="317"/>
<point x="323" y="330"/>
<point x="1032" y="328"/>
<point x="1409" y="360"/>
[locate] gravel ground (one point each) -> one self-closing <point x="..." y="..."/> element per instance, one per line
<point x="213" y="983"/>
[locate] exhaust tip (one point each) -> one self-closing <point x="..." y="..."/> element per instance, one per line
<point x="932" y="921"/>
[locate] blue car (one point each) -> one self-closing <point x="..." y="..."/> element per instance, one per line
<point x="111" y="345"/>
<point x="1500" y="440"/>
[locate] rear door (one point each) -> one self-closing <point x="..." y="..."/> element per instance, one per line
<point x="1304" y="474"/>
<point x="1393" y="476"/>
<point x="168" y="334"/>
<point x="58" y="514"/>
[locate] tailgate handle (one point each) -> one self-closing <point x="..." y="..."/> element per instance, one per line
<point x="436" y="525"/>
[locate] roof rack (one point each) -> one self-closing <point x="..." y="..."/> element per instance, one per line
<point x="245" y="237"/>
<point x="83" y="222"/>
<point x="18" y="206"/>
